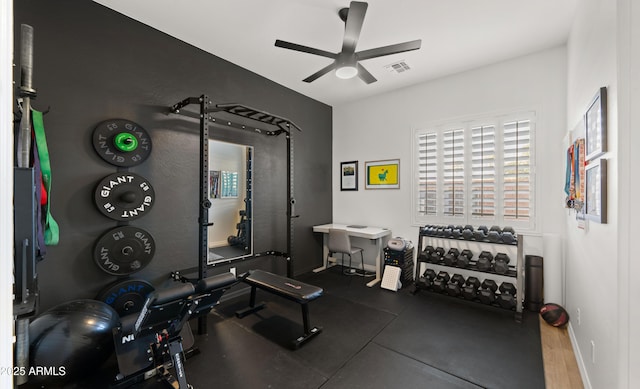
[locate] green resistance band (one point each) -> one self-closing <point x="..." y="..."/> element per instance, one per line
<point x="51" y="229"/>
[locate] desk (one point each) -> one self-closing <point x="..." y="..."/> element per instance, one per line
<point x="374" y="233"/>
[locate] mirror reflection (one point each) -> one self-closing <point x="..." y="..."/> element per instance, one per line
<point x="230" y="237"/>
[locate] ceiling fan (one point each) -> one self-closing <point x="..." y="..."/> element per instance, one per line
<point x="346" y="62"/>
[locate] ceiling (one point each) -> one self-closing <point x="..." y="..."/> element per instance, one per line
<point x="457" y="35"/>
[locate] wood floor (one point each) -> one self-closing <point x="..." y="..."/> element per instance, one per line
<point x="560" y="366"/>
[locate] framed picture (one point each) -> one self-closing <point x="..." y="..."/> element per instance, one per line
<point x="596" y="125"/>
<point x="596" y="195"/>
<point x="349" y="175"/>
<point x="382" y="174"/>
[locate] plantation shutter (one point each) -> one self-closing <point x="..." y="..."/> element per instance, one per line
<point x="483" y="171"/>
<point x="517" y="170"/>
<point x="453" y="173"/>
<point x="427" y="173"/>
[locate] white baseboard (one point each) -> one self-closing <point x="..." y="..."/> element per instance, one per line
<point x="579" y="359"/>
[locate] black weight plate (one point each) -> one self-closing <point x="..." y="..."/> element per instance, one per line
<point x="110" y="146"/>
<point x="124" y="196"/>
<point x="124" y="250"/>
<point x="126" y="296"/>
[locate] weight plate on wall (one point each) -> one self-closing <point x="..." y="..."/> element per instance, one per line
<point x="126" y="296"/>
<point x="121" y="142"/>
<point x="124" y="196"/>
<point x="124" y="250"/>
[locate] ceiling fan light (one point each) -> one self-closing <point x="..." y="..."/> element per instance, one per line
<point x="346" y="72"/>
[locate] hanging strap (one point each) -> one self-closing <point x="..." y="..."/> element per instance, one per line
<point x="51" y="232"/>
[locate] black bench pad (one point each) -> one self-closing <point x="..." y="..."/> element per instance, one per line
<point x="289" y="289"/>
<point x="283" y="286"/>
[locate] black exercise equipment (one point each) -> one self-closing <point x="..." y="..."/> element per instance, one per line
<point x="124" y="250"/>
<point x="501" y="263"/>
<point x="440" y="282"/>
<point x="289" y="289"/>
<point x="467" y="233"/>
<point x="73" y="338"/>
<point x="436" y="255"/>
<point x="485" y="260"/>
<point x="508" y="238"/>
<point x="424" y="255"/>
<point x="151" y="343"/>
<point x="494" y="236"/>
<point x="124" y="196"/>
<point x="240" y="239"/>
<point x="451" y="256"/>
<point x="464" y="259"/>
<point x="470" y="289"/>
<point x="206" y="116"/>
<point x="479" y="235"/>
<point x="487" y="295"/>
<point x="426" y="280"/>
<point x="430" y="274"/>
<point x="533" y="277"/>
<point x="455" y="284"/>
<point x="121" y="142"/>
<point x="507" y="297"/>
<point x="126" y="296"/>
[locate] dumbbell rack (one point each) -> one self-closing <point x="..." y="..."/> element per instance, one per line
<point x="515" y="271"/>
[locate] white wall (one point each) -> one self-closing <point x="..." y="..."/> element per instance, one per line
<point x="592" y="254"/>
<point x="6" y="191"/>
<point x="628" y="143"/>
<point x="381" y="127"/>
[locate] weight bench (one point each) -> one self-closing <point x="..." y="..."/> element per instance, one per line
<point x="151" y="342"/>
<point x="287" y="288"/>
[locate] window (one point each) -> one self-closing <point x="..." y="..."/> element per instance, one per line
<point x="475" y="172"/>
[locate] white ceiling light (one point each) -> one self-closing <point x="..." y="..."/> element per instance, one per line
<point x="346" y="72"/>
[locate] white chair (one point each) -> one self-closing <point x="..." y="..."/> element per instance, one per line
<point x="340" y="242"/>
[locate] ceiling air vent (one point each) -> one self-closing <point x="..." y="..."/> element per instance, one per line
<point x="398" y="67"/>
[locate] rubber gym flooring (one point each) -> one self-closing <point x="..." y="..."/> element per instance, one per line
<point x="372" y="338"/>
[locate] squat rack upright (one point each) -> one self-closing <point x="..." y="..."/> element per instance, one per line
<point x="283" y="125"/>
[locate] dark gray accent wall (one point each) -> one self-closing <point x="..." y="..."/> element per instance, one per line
<point x="92" y="64"/>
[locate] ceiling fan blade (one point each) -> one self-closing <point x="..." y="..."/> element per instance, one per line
<point x="320" y="72"/>
<point x="304" y="49"/>
<point x="388" y="50"/>
<point x="355" y="19"/>
<point x="365" y="75"/>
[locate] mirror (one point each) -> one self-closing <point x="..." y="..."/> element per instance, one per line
<point x="230" y="237"/>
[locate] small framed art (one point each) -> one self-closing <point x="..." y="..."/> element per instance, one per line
<point x="349" y="175"/>
<point x="382" y="174"/>
<point x="596" y="196"/>
<point x="596" y="125"/>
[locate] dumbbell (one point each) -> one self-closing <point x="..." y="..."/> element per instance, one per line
<point x="507" y="297"/>
<point x="454" y="287"/>
<point x="464" y="258"/>
<point x="436" y="255"/>
<point x="509" y="235"/>
<point x="508" y="238"/>
<point x="424" y="255"/>
<point x="484" y="261"/>
<point x="457" y="232"/>
<point x="509" y="229"/>
<point x="479" y="235"/>
<point x="440" y="282"/>
<point x="487" y="295"/>
<point x="501" y="263"/>
<point x="467" y="233"/>
<point x="451" y="257"/>
<point x="427" y="278"/>
<point x="470" y="289"/>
